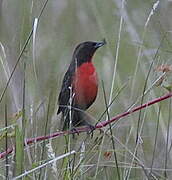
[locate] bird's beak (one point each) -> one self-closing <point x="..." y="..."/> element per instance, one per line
<point x="99" y="44"/>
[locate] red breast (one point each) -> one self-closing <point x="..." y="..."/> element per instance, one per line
<point x="85" y="85"/>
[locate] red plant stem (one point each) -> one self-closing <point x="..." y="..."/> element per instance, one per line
<point x="85" y="129"/>
<point x="162" y="98"/>
<point x="5" y="153"/>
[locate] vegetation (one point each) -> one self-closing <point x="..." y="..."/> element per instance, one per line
<point x="37" y="39"/>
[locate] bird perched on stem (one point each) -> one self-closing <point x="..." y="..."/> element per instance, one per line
<point x="80" y="85"/>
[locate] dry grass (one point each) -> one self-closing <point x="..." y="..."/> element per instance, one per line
<point x="34" y="54"/>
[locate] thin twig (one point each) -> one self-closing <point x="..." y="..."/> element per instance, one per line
<point x="111" y="133"/>
<point x="87" y="128"/>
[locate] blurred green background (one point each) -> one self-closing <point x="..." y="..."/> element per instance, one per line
<point x="138" y="35"/>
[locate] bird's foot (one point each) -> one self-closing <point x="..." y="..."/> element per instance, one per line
<point x="74" y="131"/>
<point x="92" y="128"/>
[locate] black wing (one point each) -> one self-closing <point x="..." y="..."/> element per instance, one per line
<point x="64" y="95"/>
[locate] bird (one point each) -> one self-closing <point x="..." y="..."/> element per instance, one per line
<point x="79" y="86"/>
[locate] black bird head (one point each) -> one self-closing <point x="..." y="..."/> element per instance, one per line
<point x="85" y="51"/>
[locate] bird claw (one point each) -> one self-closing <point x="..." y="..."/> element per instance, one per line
<point x="74" y="131"/>
<point x="92" y="128"/>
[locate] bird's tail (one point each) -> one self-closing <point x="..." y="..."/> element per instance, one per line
<point x="73" y="119"/>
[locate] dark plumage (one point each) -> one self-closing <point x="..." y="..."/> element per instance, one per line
<point x="79" y="87"/>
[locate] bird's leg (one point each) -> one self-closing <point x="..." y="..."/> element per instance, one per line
<point x="74" y="131"/>
<point x="92" y="128"/>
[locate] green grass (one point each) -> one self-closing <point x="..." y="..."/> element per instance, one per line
<point x="31" y="70"/>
